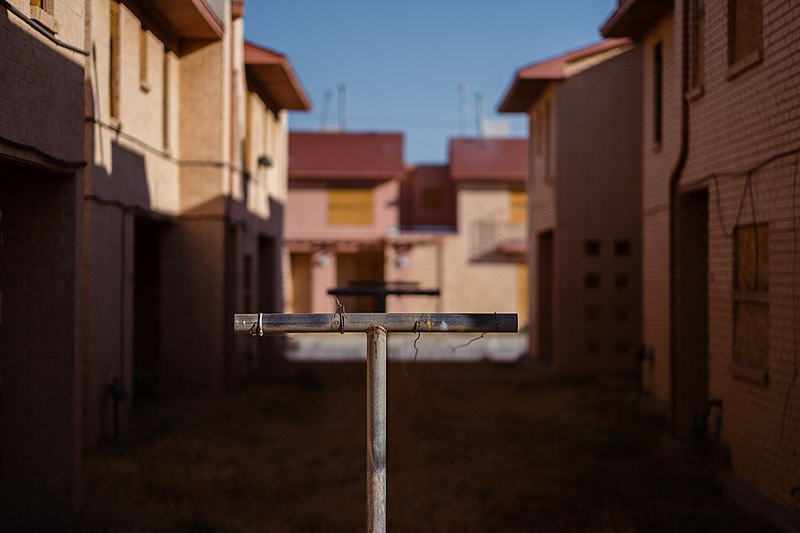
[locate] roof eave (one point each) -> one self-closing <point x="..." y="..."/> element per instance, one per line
<point x="337" y="175"/>
<point x="522" y="94"/>
<point x="634" y="18"/>
<point x="192" y="20"/>
<point x="272" y="77"/>
<point x="482" y="176"/>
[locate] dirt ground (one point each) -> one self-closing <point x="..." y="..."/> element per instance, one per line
<point x="471" y="447"/>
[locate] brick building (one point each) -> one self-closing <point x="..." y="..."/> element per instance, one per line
<point x="144" y="167"/>
<point x="721" y="145"/>
<point x="584" y="205"/>
<point x="42" y="172"/>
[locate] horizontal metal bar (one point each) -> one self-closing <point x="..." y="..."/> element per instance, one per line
<point x="361" y="322"/>
<point x="380" y="291"/>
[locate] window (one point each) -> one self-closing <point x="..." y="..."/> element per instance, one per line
<point x="697" y="38"/>
<point x="540" y="132"/>
<point x="245" y="184"/>
<point x="350" y="206"/>
<point x="658" y="93"/>
<point x="165" y="99"/>
<point x="518" y="207"/>
<point x="744" y="34"/>
<point x="548" y="144"/>
<point x="144" y="83"/>
<point x="623" y="313"/>
<point x="623" y="347"/>
<point x="591" y="280"/>
<point x="751" y="301"/>
<point x="622" y="247"/>
<point x="44" y="5"/>
<point x="114" y="53"/>
<point x="591" y="313"/>
<point x="622" y="280"/>
<point x="591" y="248"/>
<point x="43" y="12"/>
<point x="593" y="346"/>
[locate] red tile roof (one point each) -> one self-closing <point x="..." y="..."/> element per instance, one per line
<point x="271" y="76"/>
<point x="339" y="155"/>
<point x="489" y="159"/>
<point x="530" y="80"/>
<point x="634" y="18"/>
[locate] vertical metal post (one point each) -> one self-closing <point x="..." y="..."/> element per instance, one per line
<point x="376" y="429"/>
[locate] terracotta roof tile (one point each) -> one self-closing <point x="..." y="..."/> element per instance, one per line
<point x="489" y="159"/>
<point x="530" y="80"/>
<point x="338" y="155"/>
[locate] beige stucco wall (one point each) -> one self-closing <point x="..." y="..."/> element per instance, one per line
<point x="474" y="286"/>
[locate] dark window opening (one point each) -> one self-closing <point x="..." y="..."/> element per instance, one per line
<point x="591" y="280"/>
<point x="591" y="247"/>
<point x="658" y="93"/>
<point x="591" y="313"/>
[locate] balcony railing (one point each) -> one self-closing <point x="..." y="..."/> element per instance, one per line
<point x="497" y="240"/>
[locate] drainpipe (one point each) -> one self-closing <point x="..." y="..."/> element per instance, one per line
<point x="674" y="183"/>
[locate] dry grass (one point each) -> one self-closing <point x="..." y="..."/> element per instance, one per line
<point x="472" y="447"/>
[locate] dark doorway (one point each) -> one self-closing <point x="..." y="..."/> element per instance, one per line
<point x="146" y="310"/>
<point x="270" y="296"/>
<point x="545" y="292"/>
<point x="269" y="282"/>
<point x="690" y="370"/>
<point x="359" y="269"/>
<point x="301" y="282"/>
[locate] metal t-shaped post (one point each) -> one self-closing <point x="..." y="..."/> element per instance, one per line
<point x="376" y="326"/>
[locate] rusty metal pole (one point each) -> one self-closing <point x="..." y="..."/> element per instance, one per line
<point x="376" y="429"/>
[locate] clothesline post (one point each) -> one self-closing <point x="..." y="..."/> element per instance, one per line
<point x="376" y="326"/>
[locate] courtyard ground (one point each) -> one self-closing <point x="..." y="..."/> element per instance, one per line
<point x="481" y="447"/>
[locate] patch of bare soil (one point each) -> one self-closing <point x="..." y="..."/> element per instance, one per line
<point x="472" y="447"/>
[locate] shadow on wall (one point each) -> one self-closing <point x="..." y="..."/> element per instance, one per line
<point x="41" y="120"/>
<point x="119" y="204"/>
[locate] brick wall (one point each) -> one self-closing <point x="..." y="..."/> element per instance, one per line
<point x="40" y="438"/>
<point x="40" y="380"/>
<point x="598" y="198"/>
<point x="194" y="307"/>
<point x="736" y="123"/>
<point x="659" y="160"/>
<point x="591" y="192"/>
<point x="41" y="84"/>
<point x="541" y="209"/>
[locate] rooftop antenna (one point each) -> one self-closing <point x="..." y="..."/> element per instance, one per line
<point x="480" y="114"/>
<point x="342" y="107"/>
<point x="326" y="107"/>
<point x="463" y="108"/>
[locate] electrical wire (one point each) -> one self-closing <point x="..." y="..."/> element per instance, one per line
<point x="41" y="29"/>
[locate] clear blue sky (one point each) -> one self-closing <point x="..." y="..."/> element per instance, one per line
<point x="403" y="61"/>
